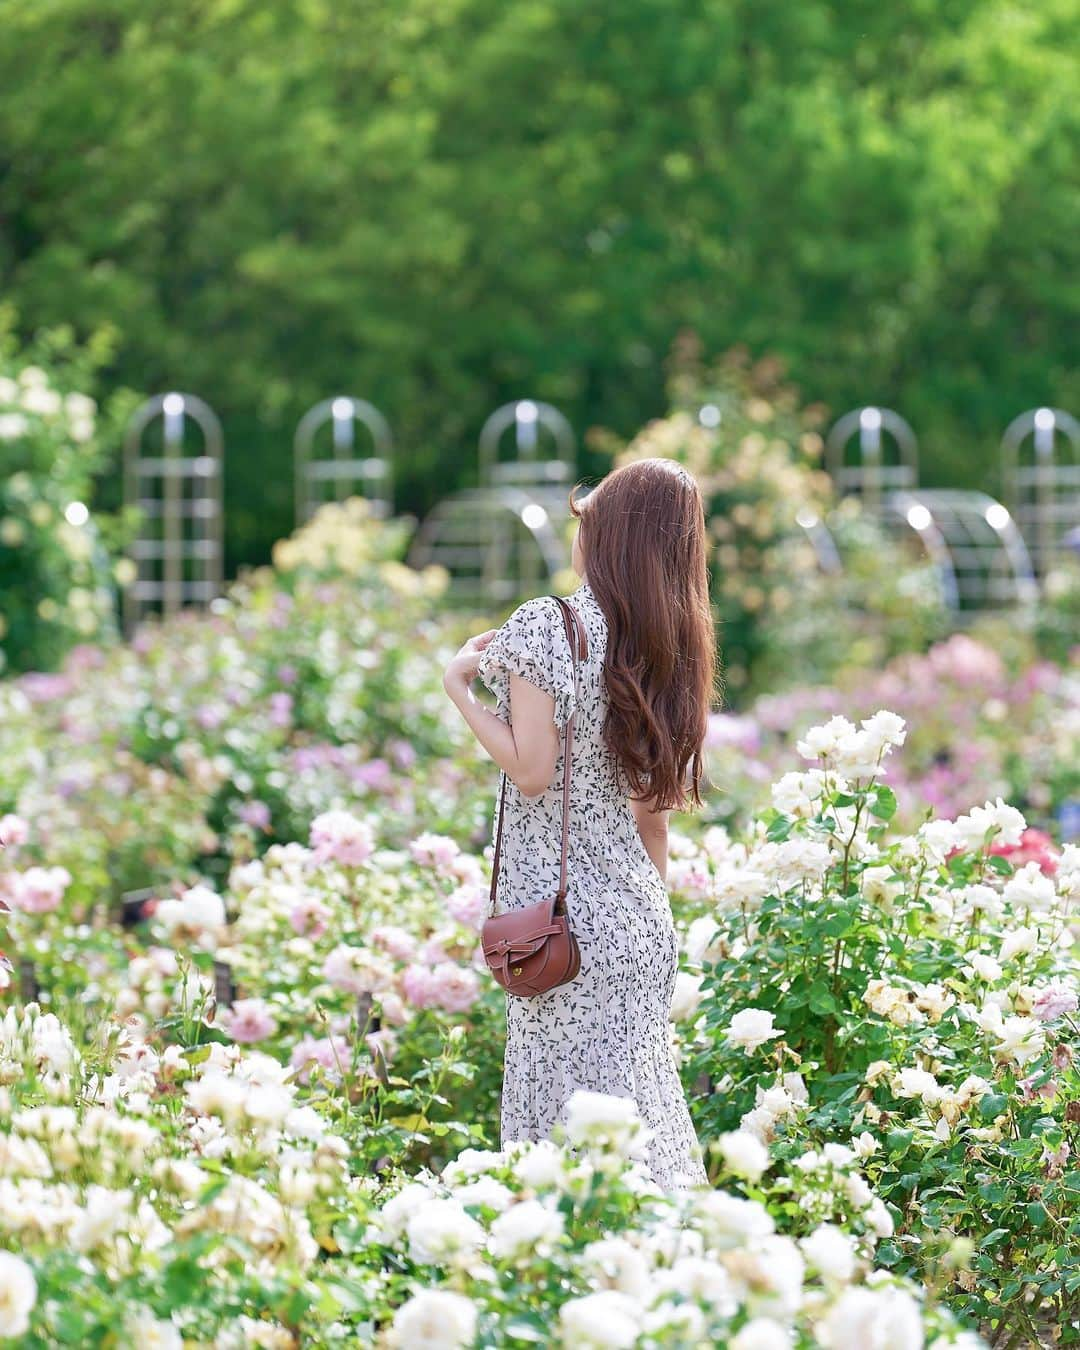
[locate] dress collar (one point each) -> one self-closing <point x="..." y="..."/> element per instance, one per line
<point x="585" y="591"/>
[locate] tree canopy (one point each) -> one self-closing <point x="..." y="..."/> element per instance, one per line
<point x="442" y="204"/>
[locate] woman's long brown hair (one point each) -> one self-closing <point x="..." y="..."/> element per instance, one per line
<point x="642" y="536"/>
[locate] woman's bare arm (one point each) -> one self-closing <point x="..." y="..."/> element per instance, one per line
<point x="526" y="749"/>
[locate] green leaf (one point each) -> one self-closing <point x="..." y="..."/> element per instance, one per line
<point x="779" y="830"/>
<point x="898" y="1142"/>
<point x="821" y="999"/>
<point x="521" y="1330"/>
<point x="1036" y="1214"/>
<point x="884" y="804"/>
<point x="1000" y="865"/>
<point x="991" y="1105"/>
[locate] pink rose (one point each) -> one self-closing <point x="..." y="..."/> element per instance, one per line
<point x="39" y="890"/>
<point x="465" y="868"/>
<point x="418" y="986"/>
<point x="433" y="951"/>
<point x="281" y="706"/>
<point x="338" y="836"/>
<point x="13" y="831"/>
<point x="1054" y="1002"/>
<point x="396" y="941"/>
<point x="326" y="1053"/>
<point x="469" y="904"/>
<point x="310" y="917"/>
<point x="1029" y="1091"/>
<point x="376" y="774"/>
<point x="248" y="1020"/>
<point x="434" y="850"/>
<point x="256" y="814"/>
<point x="455" y="988"/>
<point x="356" y="970"/>
<point x="392" y="1008"/>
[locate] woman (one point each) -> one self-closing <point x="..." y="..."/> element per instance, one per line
<point x="644" y="694"/>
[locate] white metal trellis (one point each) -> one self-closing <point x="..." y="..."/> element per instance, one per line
<point x="505" y="538"/>
<point x="887" y="454"/>
<point x="535" y="426"/>
<point x="979" y="553"/>
<point x="343" y="472"/>
<point x="177" y="553"/>
<point x="1043" y="490"/>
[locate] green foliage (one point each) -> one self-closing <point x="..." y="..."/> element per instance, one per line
<point x="55" y="583"/>
<point x="440" y="205"/>
<point x="786" y="608"/>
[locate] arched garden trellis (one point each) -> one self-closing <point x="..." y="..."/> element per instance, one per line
<point x="177" y="489"/>
<point x="342" y="473"/>
<point x="975" y="546"/>
<point x="886" y="458"/>
<point x="505" y="537"/>
<point x="1042" y="486"/>
<point x="979" y="554"/>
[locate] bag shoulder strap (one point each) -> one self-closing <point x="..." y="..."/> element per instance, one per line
<point x="578" y="639"/>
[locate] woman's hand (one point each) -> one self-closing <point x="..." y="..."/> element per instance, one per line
<point x="463" y="665"/>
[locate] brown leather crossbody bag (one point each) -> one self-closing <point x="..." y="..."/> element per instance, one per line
<point x="533" y="949"/>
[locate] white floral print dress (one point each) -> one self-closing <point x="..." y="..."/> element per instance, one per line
<point x="607" y="1030"/>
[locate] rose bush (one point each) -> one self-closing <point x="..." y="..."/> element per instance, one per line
<point x="978" y="725"/>
<point x="56" y="580"/>
<point x="924" y="990"/>
<point x="875" y="1018"/>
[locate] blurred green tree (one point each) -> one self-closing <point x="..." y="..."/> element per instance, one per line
<point x="441" y="204"/>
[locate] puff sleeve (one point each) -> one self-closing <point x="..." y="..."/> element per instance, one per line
<point x="532" y="643"/>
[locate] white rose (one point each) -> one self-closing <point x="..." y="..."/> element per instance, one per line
<point x="1018" y="942"/>
<point x="762" y="1334"/>
<point x="879" y="1218"/>
<point x="830" y="1252"/>
<point x="400" y="1208"/>
<point x="858" y="756"/>
<point x="485" y="1191"/>
<point x="694" y="1277"/>
<point x="885" y="729"/>
<point x="597" y="1321"/>
<point x="686" y="998"/>
<point x="525" y="1228"/>
<point x="743" y="1155"/>
<point x="1029" y="888"/>
<point x="838" y="1154"/>
<point x="541" y="1165"/>
<point x="150" y="1333"/>
<point x="1020" y="1039"/>
<point x="985" y="967"/>
<point x="751" y="1028"/>
<point x="18" y="1294"/>
<point x="822" y="742"/>
<point x="437" y="1319"/>
<point x="768" y="1275"/>
<point x="441" y="1230"/>
<point x="888" y="1319"/>
<point x="917" y="1083"/>
<point x="729" y="1220"/>
<point x="604" y="1120"/>
<point x="1006" y="822"/>
<point x="699" y="937"/>
<point x="617" y="1264"/>
<point x="938" y="839"/>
